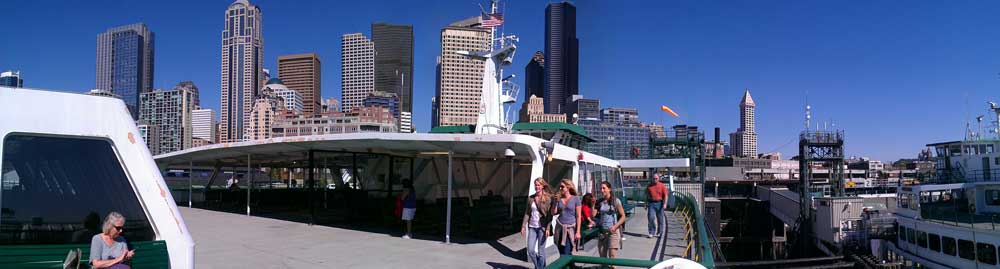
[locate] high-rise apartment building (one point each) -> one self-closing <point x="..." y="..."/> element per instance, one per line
<point x="125" y="63"/>
<point x="357" y="67"/>
<point x="11" y="79"/>
<point x="461" y="77"/>
<point x="394" y="61"/>
<point x="534" y="76"/>
<point x="203" y="126"/>
<point x="169" y="111"/>
<point x="561" y="55"/>
<point x="744" y="140"/>
<point x="147" y="132"/>
<point x="301" y="73"/>
<point x="242" y="67"/>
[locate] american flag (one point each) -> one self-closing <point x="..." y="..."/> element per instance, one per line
<point x="492" y="20"/>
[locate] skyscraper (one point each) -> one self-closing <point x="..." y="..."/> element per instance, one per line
<point x="195" y="95"/>
<point x="744" y="140"/>
<point x="394" y="61"/>
<point x="203" y="126"/>
<point x="125" y="63"/>
<point x="12" y="79"/>
<point x="461" y="77"/>
<point x="301" y="73"/>
<point x="561" y="55"/>
<point x="534" y="76"/>
<point x="357" y="67"/>
<point x="169" y="111"/>
<point x="242" y="64"/>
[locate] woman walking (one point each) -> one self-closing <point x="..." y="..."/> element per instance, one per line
<point x="610" y="217"/>
<point x="409" y="199"/>
<point x="537" y="218"/>
<point x="568" y="208"/>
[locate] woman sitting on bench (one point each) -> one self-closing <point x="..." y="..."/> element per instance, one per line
<point x="108" y="249"/>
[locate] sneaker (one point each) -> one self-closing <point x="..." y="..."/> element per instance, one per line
<point x="406" y="236"/>
<point x="649" y="236"/>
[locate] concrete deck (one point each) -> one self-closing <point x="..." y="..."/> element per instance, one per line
<point x="226" y="240"/>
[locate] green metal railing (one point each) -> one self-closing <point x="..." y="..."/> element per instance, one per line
<point x="702" y="251"/>
<point x="698" y="249"/>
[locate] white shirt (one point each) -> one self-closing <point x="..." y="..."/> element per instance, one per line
<point x="536" y="217"/>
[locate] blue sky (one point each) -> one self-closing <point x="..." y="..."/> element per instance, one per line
<point x="894" y="77"/>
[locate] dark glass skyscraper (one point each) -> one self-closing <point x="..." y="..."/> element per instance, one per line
<point x="125" y="63"/>
<point x="534" y="76"/>
<point x="394" y="61"/>
<point x="561" y="56"/>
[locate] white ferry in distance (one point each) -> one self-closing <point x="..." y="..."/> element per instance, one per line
<point x="67" y="161"/>
<point x="953" y="219"/>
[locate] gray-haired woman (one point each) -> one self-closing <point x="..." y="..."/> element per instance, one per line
<point x="108" y="249"/>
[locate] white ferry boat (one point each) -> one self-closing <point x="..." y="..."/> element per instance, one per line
<point x="67" y="161"/>
<point x="953" y="219"/>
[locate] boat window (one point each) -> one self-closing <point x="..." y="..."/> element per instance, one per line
<point x="58" y="190"/>
<point x="910" y="237"/>
<point x="902" y="233"/>
<point x="966" y="250"/>
<point x="934" y="242"/>
<point x="992" y="197"/>
<point x="989" y="148"/>
<point x="948" y="245"/>
<point x="904" y="200"/>
<point x="922" y="239"/>
<point x="987" y="253"/>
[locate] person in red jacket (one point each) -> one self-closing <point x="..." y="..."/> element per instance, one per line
<point x="656" y="195"/>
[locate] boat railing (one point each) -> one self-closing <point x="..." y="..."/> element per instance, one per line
<point x="957" y="213"/>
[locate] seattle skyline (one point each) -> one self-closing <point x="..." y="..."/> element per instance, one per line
<point x="893" y="77"/>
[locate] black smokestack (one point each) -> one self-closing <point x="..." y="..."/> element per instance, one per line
<point x="716" y="135"/>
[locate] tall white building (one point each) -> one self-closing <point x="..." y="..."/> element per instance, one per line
<point x="242" y="67"/>
<point x="405" y="122"/>
<point x="358" y="69"/>
<point x="744" y="140"/>
<point x="460" y="77"/>
<point x="203" y="125"/>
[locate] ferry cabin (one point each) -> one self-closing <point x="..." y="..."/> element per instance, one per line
<point x="67" y="161"/>
<point x="949" y="225"/>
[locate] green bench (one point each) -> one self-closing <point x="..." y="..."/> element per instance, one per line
<point x="148" y="254"/>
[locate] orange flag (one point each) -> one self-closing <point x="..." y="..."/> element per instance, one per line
<point x="668" y="110"/>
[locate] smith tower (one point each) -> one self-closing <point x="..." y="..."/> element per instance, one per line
<point x="242" y="60"/>
<point x="745" y="138"/>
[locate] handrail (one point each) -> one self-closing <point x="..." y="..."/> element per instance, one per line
<point x="703" y="252"/>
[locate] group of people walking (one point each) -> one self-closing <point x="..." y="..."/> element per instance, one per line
<point x="607" y="214"/>
<point x="575" y="214"/>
